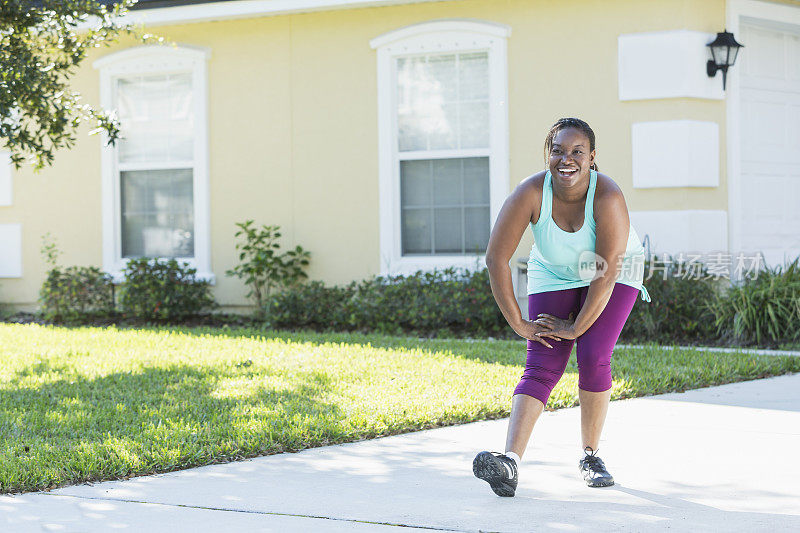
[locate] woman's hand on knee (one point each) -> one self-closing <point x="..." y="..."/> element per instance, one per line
<point x="556" y="328"/>
<point x="533" y="331"/>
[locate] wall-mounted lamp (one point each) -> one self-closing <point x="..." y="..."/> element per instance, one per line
<point x="724" y="50"/>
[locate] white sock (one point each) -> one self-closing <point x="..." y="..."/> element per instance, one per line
<point x="515" y="457"/>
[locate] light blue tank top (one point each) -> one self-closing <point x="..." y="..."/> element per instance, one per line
<point x="564" y="260"/>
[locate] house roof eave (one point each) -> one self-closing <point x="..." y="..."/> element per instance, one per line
<point x="164" y="12"/>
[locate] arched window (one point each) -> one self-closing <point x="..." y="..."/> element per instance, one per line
<point x="443" y="142"/>
<point x="155" y="179"/>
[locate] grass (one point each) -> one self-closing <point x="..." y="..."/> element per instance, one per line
<point x="87" y="404"/>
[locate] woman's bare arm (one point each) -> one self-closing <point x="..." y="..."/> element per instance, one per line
<point x="511" y="222"/>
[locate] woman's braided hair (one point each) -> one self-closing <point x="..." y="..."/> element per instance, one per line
<point x="563" y="124"/>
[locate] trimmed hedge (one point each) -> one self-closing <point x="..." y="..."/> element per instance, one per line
<point x="449" y="301"/>
<point x="764" y="311"/>
<point x="689" y="306"/>
<point x="678" y="312"/>
<point x="154" y="290"/>
<point x="163" y="290"/>
<point x="76" y="294"/>
<point x="452" y="302"/>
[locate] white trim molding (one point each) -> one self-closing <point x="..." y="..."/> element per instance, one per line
<point x="144" y="60"/>
<point x="675" y="153"/>
<point x="439" y="36"/>
<point x="10" y="250"/>
<point x="6" y="179"/>
<point x="152" y="58"/>
<point x="768" y="14"/>
<point x="464" y="27"/>
<point x="666" y="64"/>
<point x="686" y="231"/>
<point x="237" y="9"/>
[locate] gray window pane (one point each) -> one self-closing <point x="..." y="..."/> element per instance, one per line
<point x="160" y="190"/>
<point x="157" y="213"/>
<point x="161" y="235"/>
<point x="415" y="183"/>
<point x="473" y="76"/>
<point x="417" y="105"/>
<point x="416" y="231"/>
<point x="133" y="234"/>
<point x="402" y="87"/>
<point x="476" y="222"/>
<point x="476" y="180"/>
<point x="181" y="200"/>
<point x="460" y="202"/>
<point x="410" y="133"/>
<point x="134" y="194"/>
<point x="182" y="233"/>
<point x="442" y="101"/>
<point x="447" y="230"/>
<point x="447" y="182"/>
<point x="442" y="127"/>
<point x="443" y="72"/>
<point x="156" y="118"/>
<point x="182" y="148"/>
<point x="474" y="123"/>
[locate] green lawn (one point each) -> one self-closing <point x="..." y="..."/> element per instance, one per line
<point x="91" y="403"/>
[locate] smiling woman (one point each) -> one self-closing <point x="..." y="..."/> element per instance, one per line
<point x="585" y="270"/>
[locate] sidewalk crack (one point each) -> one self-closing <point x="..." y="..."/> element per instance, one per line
<point x="249" y="511"/>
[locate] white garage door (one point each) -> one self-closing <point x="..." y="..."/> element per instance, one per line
<point x="770" y="143"/>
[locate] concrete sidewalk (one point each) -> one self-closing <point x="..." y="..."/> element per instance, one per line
<point x="717" y="459"/>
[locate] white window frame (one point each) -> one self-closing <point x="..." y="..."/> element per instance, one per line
<point x="142" y="61"/>
<point x="440" y="36"/>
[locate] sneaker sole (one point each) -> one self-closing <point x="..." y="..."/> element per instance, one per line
<point x="599" y="484"/>
<point x="488" y="468"/>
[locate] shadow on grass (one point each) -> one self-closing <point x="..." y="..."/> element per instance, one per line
<point x="505" y="352"/>
<point x="499" y="351"/>
<point x="71" y="429"/>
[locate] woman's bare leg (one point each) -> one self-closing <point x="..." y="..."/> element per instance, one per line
<point x="525" y="411"/>
<point x="594" y="407"/>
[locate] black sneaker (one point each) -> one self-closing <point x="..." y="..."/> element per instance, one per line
<point x="593" y="470"/>
<point x="499" y="470"/>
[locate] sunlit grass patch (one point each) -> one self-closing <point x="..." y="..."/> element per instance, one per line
<point x="91" y="403"/>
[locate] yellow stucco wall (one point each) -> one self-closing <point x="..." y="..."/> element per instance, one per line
<point x="293" y="126"/>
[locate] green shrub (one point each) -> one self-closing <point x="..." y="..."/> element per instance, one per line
<point x="763" y="309"/>
<point x="261" y="267"/>
<point x="438" y="302"/>
<point x="315" y="306"/>
<point x="678" y="312"/>
<point x="76" y="293"/>
<point x="163" y="290"/>
<point x="689" y="305"/>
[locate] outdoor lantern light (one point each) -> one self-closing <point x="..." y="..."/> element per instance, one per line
<point x="724" y="50"/>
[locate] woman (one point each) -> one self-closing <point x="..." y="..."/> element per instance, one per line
<point x="584" y="273"/>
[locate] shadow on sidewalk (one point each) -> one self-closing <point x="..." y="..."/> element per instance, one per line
<point x="781" y="393"/>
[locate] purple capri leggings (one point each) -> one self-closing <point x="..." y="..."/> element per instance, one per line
<point x="544" y="366"/>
